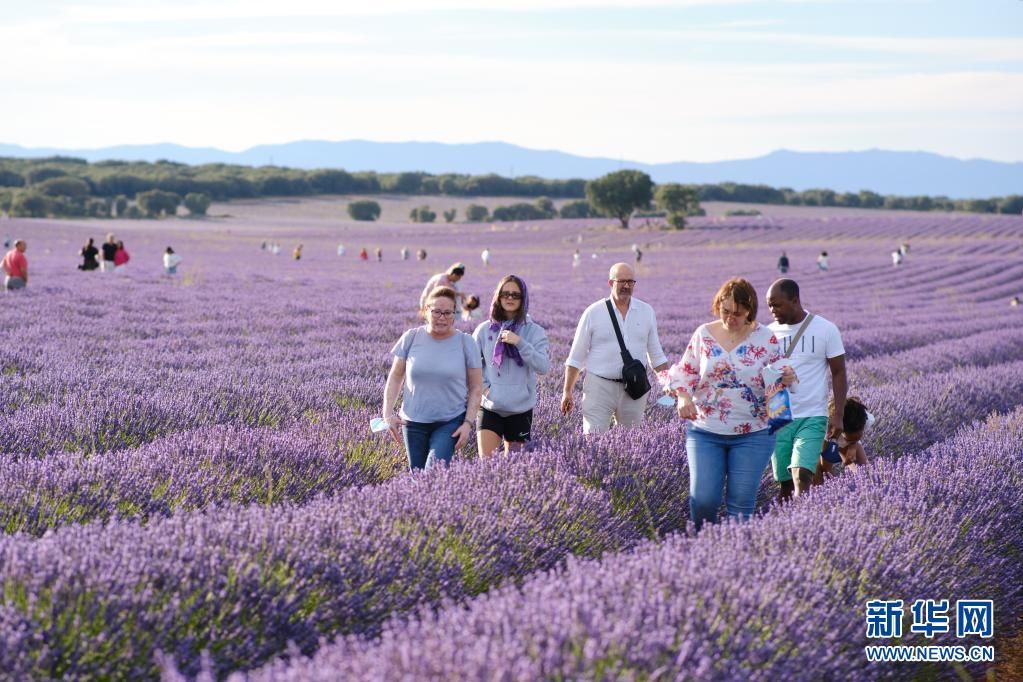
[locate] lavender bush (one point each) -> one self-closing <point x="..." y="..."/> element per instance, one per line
<point x="782" y="597"/>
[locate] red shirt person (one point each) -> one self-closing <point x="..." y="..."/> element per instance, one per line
<point x="15" y="266"/>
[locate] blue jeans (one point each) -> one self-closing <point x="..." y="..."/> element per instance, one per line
<point x="427" y="442"/>
<point x="741" y="459"/>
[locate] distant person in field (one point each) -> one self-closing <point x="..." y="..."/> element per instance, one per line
<point x="576" y="260"/>
<point x="297" y="253"/>
<point x="262" y="247"/>
<point x="171" y="261"/>
<point x="897" y="257"/>
<point x="15" y="266"/>
<point x="340" y="250"/>
<point x="109" y="251"/>
<point x="595" y="349"/>
<point x="275" y="249"/>
<point x="720" y="389"/>
<point x="485" y="257"/>
<point x="438" y="370"/>
<point x="404" y="253"/>
<point x="421" y="254"/>
<point x="822" y="262"/>
<point x="855" y="422"/>
<point x="121" y="257"/>
<point x="90" y="256"/>
<point x="363" y="254"/>
<point x="449" y="278"/>
<point x="514" y="350"/>
<point x="818" y="355"/>
<point x="472" y="311"/>
<point x="1014" y="301"/>
<point x="380" y="255"/>
<point x="904" y="249"/>
<point x="783" y="263"/>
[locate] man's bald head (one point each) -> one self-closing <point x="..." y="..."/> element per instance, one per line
<point x="622" y="280"/>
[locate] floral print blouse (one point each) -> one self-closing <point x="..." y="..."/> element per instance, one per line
<point x="727" y="387"/>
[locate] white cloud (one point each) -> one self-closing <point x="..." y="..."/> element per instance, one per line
<point x="107" y="13"/>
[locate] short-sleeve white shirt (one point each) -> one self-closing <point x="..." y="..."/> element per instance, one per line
<point x="595" y="346"/>
<point x="820" y="342"/>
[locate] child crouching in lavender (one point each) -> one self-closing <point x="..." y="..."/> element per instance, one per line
<point x="471" y="311"/>
<point x="855" y="420"/>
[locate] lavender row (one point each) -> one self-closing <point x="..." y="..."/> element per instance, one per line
<point x="782" y="597"/>
<point x="97" y="601"/>
<point x="191" y="470"/>
<point x="978" y="350"/>
<point x="56" y="415"/>
<point x="641" y="469"/>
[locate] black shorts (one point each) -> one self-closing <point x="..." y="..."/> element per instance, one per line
<point x="515" y="428"/>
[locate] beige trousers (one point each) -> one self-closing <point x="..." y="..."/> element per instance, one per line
<point x="604" y="400"/>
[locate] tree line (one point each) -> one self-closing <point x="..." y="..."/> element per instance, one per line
<point x="71" y="187"/>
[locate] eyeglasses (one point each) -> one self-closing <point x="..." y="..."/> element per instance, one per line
<point x="442" y="313"/>
<point x="626" y="282"/>
<point x="510" y="295"/>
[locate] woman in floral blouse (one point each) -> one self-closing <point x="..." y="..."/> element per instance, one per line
<point x="720" y="388"/>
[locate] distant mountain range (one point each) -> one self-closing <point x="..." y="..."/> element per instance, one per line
<point x="884" y="172"/>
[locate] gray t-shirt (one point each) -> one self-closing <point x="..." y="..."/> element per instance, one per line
<point x="436" y="381"/>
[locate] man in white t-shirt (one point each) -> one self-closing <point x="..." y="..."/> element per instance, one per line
<point x="797" y="445"/>
<point x="595" y="348"/>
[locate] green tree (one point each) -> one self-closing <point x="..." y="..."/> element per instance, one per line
<point x="155" y="203"/>
<point x="364" y="210"/>
<point x="476" y="213"/>
<point x="870" y="199"/>
<point x="423" y="214"/>
<point x="97" y="208"/>
<point x="520" y="211"/>
<point x="9" y="178"/>
<point x="197" y="202"/>
<point x="620" y="193"/>
<point x="577" y="209"/>
<point x="1012" y="204"/>
<point x="547" y="206"/>
<point x="120" y="205"/>
<point x="449" y="215"/>
<point x="64" y="186"/>
<point x="331" y="181"/>
<point x="31" y="205"/>
<point x="679" y="202"/>
<point x="41" y="173"/>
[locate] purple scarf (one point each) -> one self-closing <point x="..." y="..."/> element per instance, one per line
<point x="502" y="349"/>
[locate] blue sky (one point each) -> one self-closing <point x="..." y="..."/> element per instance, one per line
<point x="650" y="81"/>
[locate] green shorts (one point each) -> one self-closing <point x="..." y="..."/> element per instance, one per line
<point x="798" y="445"/>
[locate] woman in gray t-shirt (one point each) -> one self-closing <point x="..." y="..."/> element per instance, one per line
<point x="439" y="371"/>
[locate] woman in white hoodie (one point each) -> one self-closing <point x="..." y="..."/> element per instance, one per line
<point x="515" y="351"/>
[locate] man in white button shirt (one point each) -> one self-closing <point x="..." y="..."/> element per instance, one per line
<point x="595" y="348"/>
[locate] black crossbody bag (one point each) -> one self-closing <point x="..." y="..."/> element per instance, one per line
<point x="637" y="384"/>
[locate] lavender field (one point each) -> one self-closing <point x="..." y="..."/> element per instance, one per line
<point x="189" y="487"/>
